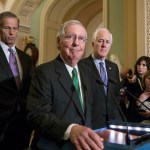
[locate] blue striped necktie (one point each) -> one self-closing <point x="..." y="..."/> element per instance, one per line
<point x="103" y="75"/>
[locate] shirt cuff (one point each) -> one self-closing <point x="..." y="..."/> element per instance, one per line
<point x="67" y="132"/>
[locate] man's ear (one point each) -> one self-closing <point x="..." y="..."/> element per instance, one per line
<point x="92" y="44"/>
<point x="58" y="43"/>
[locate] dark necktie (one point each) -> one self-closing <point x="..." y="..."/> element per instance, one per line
<point x="103" y="75"/>
<point x="76" y="84"/>
<point x="14" y="67"/>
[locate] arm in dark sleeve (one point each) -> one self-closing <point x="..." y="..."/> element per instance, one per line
<point x="40" y="105"/>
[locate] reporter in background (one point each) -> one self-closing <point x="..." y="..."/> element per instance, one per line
<point x="144" y="98"/>
<point x="59" y="111"/>
<point x="105" y="109"/>
<point x="14" y="86"/>
<point x="134" y="85"/>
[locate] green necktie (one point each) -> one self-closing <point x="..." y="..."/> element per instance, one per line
<point x="76" y="84"/>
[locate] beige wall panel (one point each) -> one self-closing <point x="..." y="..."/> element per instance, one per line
<point x="51" y="51"/>
<point x="130" y="29"/>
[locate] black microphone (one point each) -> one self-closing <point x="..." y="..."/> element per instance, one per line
<point x="131" y="142"/>
<point x="102" y="83"/>
<point x="124" y="118"/>
<point x="126" y="90"/>
<point x="118" y="106"/>
<point x="72" y="91"/>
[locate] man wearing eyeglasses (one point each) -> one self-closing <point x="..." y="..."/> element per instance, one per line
<point x="105" y="109"/>
<point x="60" y="97"/>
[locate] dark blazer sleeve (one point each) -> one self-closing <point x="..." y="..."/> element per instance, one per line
<point x="41" y="104"/>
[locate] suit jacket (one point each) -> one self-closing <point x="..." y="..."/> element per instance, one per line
<point x="12" y="119"/>
<point x="53" y="103"/>
<point x="105" y="109"/>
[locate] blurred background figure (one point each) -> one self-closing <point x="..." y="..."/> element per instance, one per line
<point x="114" y="58"/>
<point x="124" y="102"/>
<point x="126" y="72"/>
<point x="134" y="85"/>
<point x="31" y="50"/>
<point x="144" y="98"/>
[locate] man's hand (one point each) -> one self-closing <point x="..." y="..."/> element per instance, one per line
<point x="85" y="139"/>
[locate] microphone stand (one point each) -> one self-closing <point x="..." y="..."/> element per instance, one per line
<point x="69" y="103"/>
<point x="142" y="138"/>
<point x="136" y="98"/>
<point x="122" y="114"/>
<point x="115" y="82"/>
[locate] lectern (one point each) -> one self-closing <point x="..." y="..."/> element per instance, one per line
<point x="115" y="136"/>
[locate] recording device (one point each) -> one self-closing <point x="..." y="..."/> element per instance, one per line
<point x="141" y="110"/>
<point x="130" y="74"/>
<point x="126" y="90"/>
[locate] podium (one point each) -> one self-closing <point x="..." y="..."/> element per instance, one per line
<point x="115" y="136"/>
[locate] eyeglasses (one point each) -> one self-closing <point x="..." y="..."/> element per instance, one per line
<point x="72" y="37"/>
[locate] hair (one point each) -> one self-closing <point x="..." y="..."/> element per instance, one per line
<point x="99" y="30"/>
<point x="35" y="53"/>
<point x="61" y="31"/>
<point x="146" y="59"/>
<point x="144" y="77"/>
<point x="7" y="14"/>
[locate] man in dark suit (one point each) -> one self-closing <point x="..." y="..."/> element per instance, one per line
<point x="14" y="131"/>
<point x="105" y="109"/>
<point x="62" y="116"/>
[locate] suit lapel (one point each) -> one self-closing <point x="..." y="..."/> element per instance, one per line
<point x="7" y="73"/>
<point x="95" y="72"/>
<point x="109" y="72"/>
<point x="67" y="84"/>
<point x="22" y="63"/>
<point x="108" y="68"/>
<point x="85" y="91"/>
<point x="4" y="63"/>
<point x="93" y="68"/>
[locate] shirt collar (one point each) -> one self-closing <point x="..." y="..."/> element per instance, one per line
<point x="5" y="47"/>
<point x="96" y="60"/>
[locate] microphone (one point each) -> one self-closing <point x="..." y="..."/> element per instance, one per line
<point x="102" y="83"/>
<point x="118" y="106"/>
<point x="126" y="90"/>
<point x="134" y="141"/>
<point x="72" y="91"/>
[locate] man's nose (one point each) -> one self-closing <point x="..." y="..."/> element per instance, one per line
<point x="76" y="41"/>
